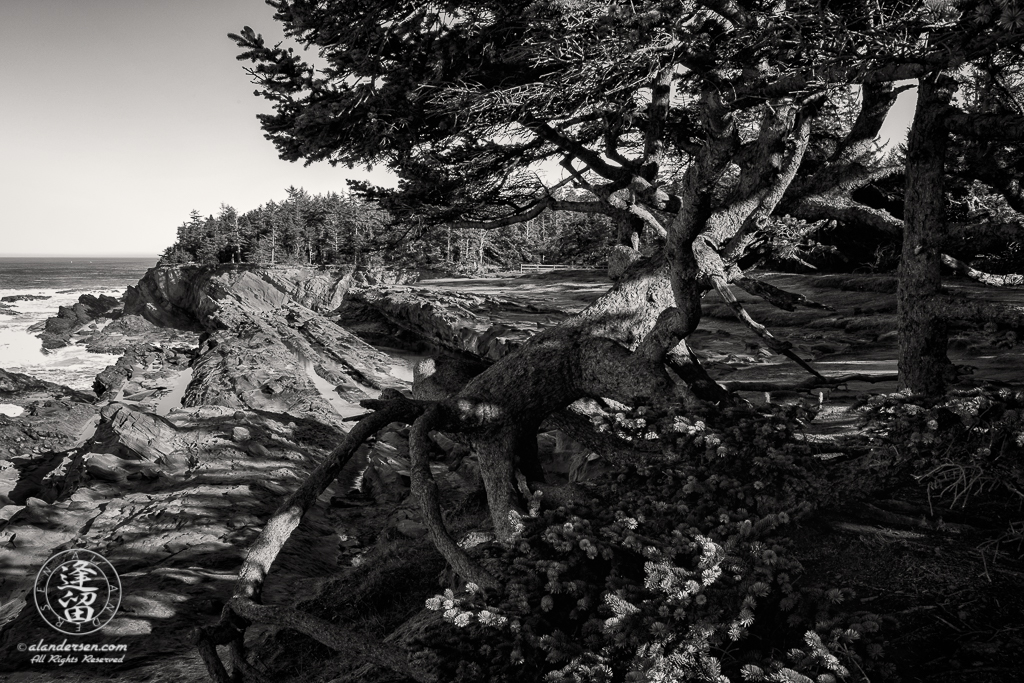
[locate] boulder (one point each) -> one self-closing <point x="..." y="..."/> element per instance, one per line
<point x="57" y="330"/>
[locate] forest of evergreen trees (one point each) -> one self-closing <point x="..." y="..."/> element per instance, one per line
<point x="342" y="228"/>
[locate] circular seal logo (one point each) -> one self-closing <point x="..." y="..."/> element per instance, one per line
<point x="77" y="592"/>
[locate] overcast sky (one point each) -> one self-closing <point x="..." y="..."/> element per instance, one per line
<point x="118" y="117"/>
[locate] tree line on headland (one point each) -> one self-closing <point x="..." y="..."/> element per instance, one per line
<point x="337" y="228"/>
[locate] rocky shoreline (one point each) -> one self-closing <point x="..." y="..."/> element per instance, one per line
<point x="172" y="499"/>
<point x="233" y="383"/>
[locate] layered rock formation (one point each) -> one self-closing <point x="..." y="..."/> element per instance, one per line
<point x="265" y="345"/>
<point x="192" y="297"/>
<point x="484" y="325"/>
<point x="57" y="330"/>
<point x="174" y="501"/>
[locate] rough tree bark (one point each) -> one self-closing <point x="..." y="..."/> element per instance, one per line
<point x="922" y="359"/>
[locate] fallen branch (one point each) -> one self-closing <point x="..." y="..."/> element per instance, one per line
<point x="685" y="363"/>
<point x="820" y="382"/>
<point x="961" y="268"/>
<point x="954" y="309"/>
<point x="334" y="636"/>
<point x="780" y="298"/>
<point x="230" y="629"/>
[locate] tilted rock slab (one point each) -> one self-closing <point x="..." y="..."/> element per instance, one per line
<point x="266" y="343"/>
<point x="191" y="297"/>
<point x="485" y="326"/>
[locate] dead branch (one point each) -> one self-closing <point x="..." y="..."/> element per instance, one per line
<point x="537" y="208"/>
<point x="958" y="266"/>
<point x="955" y="309"/>
<point x="334" y="636"/>
<point x="983" y="234"/>
<point x="685" y="363"/>
<point x="776" y="296"/>
<point x="985" y="126"/>
<point x="230" y="629"/>
<point x="808" y="384"/>
<point x="775" y="344"/>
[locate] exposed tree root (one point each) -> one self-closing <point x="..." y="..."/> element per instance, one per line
<point x="425" y="489"/>
<point x="245" y="608"/>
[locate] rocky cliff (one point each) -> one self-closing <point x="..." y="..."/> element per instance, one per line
<point x="192" y="297"/>
<point x="265" y="342"/>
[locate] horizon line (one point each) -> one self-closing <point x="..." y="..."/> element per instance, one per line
<point x="2" y="256"/>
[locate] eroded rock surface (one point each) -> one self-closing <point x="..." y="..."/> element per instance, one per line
<point x="480" y="324"/>
<point x="265" y="345"/>
<point x="192" y="297"/>
<point x="173" y="504"/>
<point x="57" y="330"/>
<point x="175" y="499"/>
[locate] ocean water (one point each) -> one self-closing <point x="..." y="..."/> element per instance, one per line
<point x="63" y="280"/>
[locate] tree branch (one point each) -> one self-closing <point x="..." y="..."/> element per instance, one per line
<point x="777" y="345"/>
<point x="535" y="210"/>
<point x="337" y="637"/>
<point x="958" y="266"/>
<point x="995" y="234"/>
<point x="808" y="384"/>
<point x="580" y="151"/>
<point x="769" y="197"/>
<point x="842" y="208"/>
<point x="657" y="113"/>
<point x="787" y="301"/>
<point x="961" y="309"/>
<point x="876" y="101"/>
<point x="985" y="126"/>
<point x="249" y="585"/>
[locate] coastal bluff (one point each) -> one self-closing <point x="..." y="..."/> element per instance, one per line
<point x="190" y="444"/>
<point x="190" y="297"/>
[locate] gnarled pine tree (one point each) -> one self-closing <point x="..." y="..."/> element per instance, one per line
<point x="692" y="118"/>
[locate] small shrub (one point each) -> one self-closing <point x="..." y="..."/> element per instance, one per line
<point x="967" y="445"/>
<point x="680" y="570"/>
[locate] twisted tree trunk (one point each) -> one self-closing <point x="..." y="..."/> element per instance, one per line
<point x="501" y="409"/>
